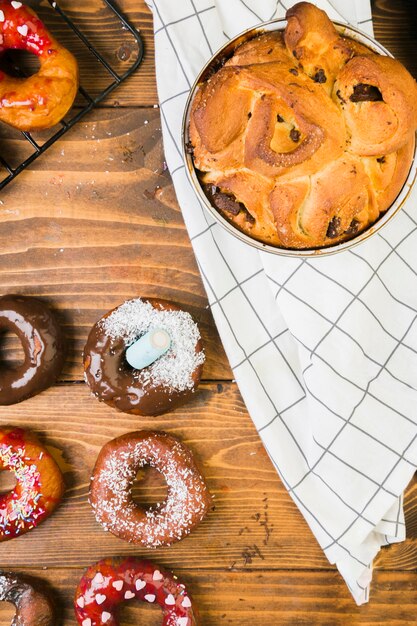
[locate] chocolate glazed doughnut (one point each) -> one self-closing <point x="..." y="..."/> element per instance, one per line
<point x="43" y="345"/>
<point x="156" y="389"/>
<point x="32" y="607"/>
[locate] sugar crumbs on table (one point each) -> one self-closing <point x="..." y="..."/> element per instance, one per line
<point x="176" y="367"/>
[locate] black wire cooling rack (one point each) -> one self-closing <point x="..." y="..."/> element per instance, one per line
<point x="115" y="79"/>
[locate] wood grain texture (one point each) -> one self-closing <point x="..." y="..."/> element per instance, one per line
<point x="258" y="599"/>
<point x="255" y="524"/>
<point x="395" y="26"/>
<point x="68" y="238"/>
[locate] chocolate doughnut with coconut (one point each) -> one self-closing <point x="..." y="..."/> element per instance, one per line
<point x="142" y="330"/>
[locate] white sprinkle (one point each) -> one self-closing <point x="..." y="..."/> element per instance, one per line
<point x="176" y="515"/>
<point x="170" y="600"/>
<point x="118" y="585"/>
<point x="186" y="603"/>
<point x="150" y="597"/>
<point x="2" y="18"/>
<point x="16" y="5"/>
<point x="140" y="584"/>
<point x="23" y="30"/>
<point x="86" y="622"/>
<point x="105" y="617"/>
<point x="129" y="595"/>
<point x="157" y="575"/>
<point x="81" y="602"/>
<point x="98" y="579"/>
<point x="182" y="621"/>
<point x="175" y="369"/>
<point x="100" y="598"/>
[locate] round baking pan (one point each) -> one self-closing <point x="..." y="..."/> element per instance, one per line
<point x="216" y="62"/>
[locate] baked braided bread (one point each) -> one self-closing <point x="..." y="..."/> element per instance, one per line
<point x="303" y="138"/>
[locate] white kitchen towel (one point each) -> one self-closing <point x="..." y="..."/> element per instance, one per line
<point x="324" y="350"/>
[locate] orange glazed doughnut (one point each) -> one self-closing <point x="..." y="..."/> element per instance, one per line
<point x="42" y="100"/>
<point x="39" y="487"/>
<point x="118" y="463"/>
<point x="111" y="582"/>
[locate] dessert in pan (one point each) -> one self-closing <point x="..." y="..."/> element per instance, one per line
<point x="304" y="137"/>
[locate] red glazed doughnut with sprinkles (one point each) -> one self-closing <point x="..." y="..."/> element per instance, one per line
<point x="39" y="486"/>
<point x="188" y="499"/>
<point x="43" y="99"/>
<point x="111" y="582"/>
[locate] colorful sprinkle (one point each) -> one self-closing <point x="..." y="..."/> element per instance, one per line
<point x="19" y="509"/>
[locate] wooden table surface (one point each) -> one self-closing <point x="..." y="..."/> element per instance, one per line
<point x="92" y="223"/>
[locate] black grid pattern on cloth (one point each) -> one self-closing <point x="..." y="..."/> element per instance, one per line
<point x="210" y="236"/>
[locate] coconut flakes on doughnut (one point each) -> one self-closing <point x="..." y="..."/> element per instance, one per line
<point x="174" y="369"/>
<point x="174" y="516"/>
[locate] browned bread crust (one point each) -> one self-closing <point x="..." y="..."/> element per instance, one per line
<point x="304" y="138"/>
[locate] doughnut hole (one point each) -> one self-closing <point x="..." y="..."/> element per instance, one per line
<point x="20" y="63"/>
<point x="11" y="350"/>
<point x="132" y="613"/>
<point x="7" y="483"/>
<point x="8" y="612"/>
<point x="149" y="487"/>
